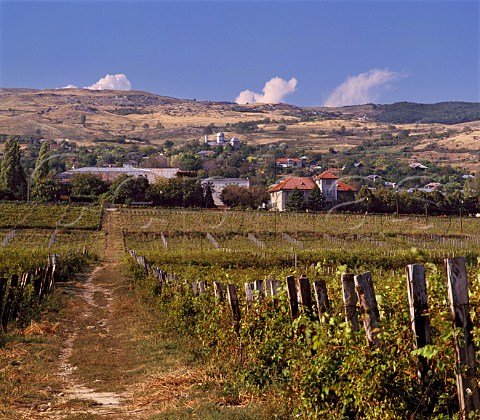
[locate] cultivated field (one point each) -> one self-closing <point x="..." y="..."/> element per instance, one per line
<point x="315" y="365"/>
<point x="220" y="354"/>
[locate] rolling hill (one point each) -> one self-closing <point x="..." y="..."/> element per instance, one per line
<point x="88" y="116"/>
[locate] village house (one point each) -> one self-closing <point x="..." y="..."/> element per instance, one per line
<point x="289" y="163"/>
<point x="279" y="193"/>
<point x="334" y="191"/>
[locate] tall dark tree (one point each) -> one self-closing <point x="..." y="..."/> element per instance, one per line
<point x="365" y="199"/>
<point x="209" y="202"/>
<point x="42" y="168"/>
<point x="295" y="201"/>
<point x="315" y="201"/>
<point x="12" y="175"/>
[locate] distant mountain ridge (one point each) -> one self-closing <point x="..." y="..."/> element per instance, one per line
<point x="439" y="113"/>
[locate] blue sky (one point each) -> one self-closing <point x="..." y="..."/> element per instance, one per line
<point x="336" y="51"/>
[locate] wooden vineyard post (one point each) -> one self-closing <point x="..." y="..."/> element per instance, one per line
<point x="201" y="287"/>
<point x="218" y="289"/>
<point x="9" y="302"/>
<point x="368" y="307"/>
<point x="292" y="297"/>
<point x="52" y="274"/>
<point x="3" y="288"/>
<point x="37" y="282"/>
<point x="305" y="294"/>
<point x="268" y="287"/>
<point x="321" y="297"/>
<point x="234" y="306"/>
<point x="18" y="282"/>
<point x="258" y="286"/>
<point x="194" y="289"/>
<point x="350" y="300"/>
<point x="457" y="285"/>
<point x="273" y="286"/>
<point x="419" y="316"/>
<point x="249" y="294"/>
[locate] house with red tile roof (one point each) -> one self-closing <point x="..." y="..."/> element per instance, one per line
<point x="345" y="192"/>
<point x="279" y="193"/>
<point x="289" y="162"/>
<point x="332" y="189"/>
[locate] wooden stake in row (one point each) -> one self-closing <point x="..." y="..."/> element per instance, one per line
<point x="359" y="289"/>
<point x="467" y="385"/>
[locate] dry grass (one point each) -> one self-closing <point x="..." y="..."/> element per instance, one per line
<point x="41" y="328"/>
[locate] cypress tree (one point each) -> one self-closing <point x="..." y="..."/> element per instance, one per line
<point x="12" y="175"/>
<point x="209" y="202"/>
<point x="315" y="200"/>
<point x="295" y="201"/>
<point x="41" y="166"/>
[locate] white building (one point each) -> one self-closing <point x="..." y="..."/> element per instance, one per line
<point x="327" y="182"/>
<point x="111" y="174"/>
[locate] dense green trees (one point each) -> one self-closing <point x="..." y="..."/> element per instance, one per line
<point x="42" y="168"/>
<point x="127" y="189"/>
<point x="177" y="192"/>
<point x="88" y="185"/>
<point x="242" y="197"/>
<point x="44" y="187"/>
<point x="386" y="200"/>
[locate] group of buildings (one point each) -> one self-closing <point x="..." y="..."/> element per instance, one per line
<point x="220" y="141"/>
<point x="332" y="188"/>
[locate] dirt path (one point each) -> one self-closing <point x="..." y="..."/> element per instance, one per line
<point x="96" y="359"/>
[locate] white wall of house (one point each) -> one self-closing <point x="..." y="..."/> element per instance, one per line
<point x="279" y="198"/>
<point x="328" y="187"/>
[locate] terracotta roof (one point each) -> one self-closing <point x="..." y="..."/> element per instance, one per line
<point x="286" y="160"/>
<point x="341" y="186"/>
<point x="327" y="175"/>
<point x="301" y="183"/>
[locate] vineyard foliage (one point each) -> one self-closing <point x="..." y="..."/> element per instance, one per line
<point x="316" y="368"/>
<point x="32" y="215"/>
<point x="33" y="235"/>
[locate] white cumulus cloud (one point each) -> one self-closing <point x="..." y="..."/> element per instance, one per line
<point x="274" y="92"/>
<point x="70" y="87"/>
<point x="113" y="82"/>
<point x="362" y="88"/>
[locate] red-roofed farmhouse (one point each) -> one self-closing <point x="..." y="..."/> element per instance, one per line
<point x="332" y="188"/>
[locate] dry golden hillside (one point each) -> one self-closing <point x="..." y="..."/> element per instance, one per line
<point x="152" y="119"/>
